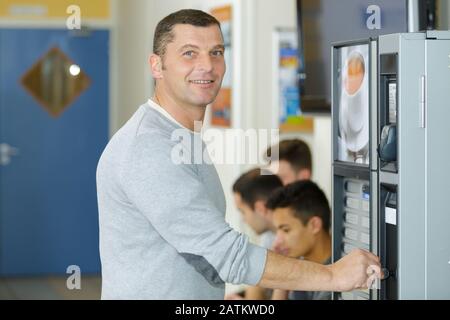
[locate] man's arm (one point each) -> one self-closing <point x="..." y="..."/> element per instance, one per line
<point x="279" y="294"/>
<point x="347" y="274"/>
<point x="255" y="293"/>
<point x="174" y="200"/>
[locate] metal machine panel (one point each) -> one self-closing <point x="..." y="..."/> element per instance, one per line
<point x="411" y="164"/>
<point x="437" y="220"/>
<point x="397" y="206"/>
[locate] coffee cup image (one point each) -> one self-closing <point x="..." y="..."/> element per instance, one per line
<point x="354" y="109"/>
<point x="354" y="73"/>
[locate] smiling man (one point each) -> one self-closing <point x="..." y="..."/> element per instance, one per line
<point x="163" y="233"/>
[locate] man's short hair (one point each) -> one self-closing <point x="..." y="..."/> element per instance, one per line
<point x="296" y="152"/>
<point x="256" y="184"/>
<point x="305" y="199"/>
<point x="163" y="32"/>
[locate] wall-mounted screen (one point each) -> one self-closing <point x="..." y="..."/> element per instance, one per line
<point x="324" y="22"/>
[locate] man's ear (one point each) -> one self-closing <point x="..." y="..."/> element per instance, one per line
<point x="156" y="66"/>
<point x="315" y="224"/>
<point x="260" y="208"/>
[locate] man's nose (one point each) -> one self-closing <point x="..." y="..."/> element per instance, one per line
<point x="205" y="63"/>
<point x="277" y="243"/>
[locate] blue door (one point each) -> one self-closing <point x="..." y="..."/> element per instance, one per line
<point x="53" y="128"/>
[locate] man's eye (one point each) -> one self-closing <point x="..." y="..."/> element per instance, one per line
<point x="217" y="53"/>
<point x="285" y="230"/>
<point x="189" y="53"/>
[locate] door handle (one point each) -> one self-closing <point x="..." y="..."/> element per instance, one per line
<point x="6" y="152"/>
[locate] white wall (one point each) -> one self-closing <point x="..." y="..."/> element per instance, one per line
<point x="132" y="37"/>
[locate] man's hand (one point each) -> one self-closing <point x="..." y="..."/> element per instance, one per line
<point x="354" y="271"/>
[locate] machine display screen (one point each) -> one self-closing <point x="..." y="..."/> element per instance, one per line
<point x="353" y="104"/>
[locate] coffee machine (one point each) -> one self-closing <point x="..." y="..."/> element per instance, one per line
<point x="390" y="99"/>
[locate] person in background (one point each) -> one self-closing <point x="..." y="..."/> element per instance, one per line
<point x="301" y="215"/>
<point x="251" y="191"/>
<point x="290" y="160"/>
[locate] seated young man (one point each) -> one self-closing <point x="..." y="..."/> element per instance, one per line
<point x="301" y="215"/>
<point x="251" y="191"/>
<point x="290" y="160"/>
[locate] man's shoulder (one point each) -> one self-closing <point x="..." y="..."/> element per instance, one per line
<point x="143" y="123"/>
<point x="141" y="130"/>
<point x="147" y="121"/>
<point x="150" y="139"/>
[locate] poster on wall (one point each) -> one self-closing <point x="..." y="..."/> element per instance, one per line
<point x="286" y="88"/>
<point x="353" y="136"/>
<point x="221" y="107"/>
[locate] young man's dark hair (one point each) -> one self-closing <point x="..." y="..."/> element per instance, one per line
<point x="164" y="35"/>
<point x="296" y="152"/>
<point x="305" y="199"/>
<point x="256" y="184"/>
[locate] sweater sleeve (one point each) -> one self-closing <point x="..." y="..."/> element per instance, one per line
<point x="175" y="201"/>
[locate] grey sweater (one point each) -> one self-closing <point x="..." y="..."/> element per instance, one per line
<point x="163" y="233"/>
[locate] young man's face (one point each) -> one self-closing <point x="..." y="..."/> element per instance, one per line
<point x="253" y="219"/>
<point x="294" y="239"/>
<point x="194" y="65"/>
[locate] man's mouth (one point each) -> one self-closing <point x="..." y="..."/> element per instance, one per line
<point x="201" y="81"/>
<point x="281" y="250"/>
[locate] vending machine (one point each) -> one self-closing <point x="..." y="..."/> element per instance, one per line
<point x="390" y="111"/>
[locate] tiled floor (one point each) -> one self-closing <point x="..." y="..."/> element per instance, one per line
<point x="49" y="288"/>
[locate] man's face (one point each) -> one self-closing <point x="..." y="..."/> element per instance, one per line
<point x="293" y="239"/>
<point x="253" y="219"/>
<point x="285" y="171"/>
<point x="193" y="65"/>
